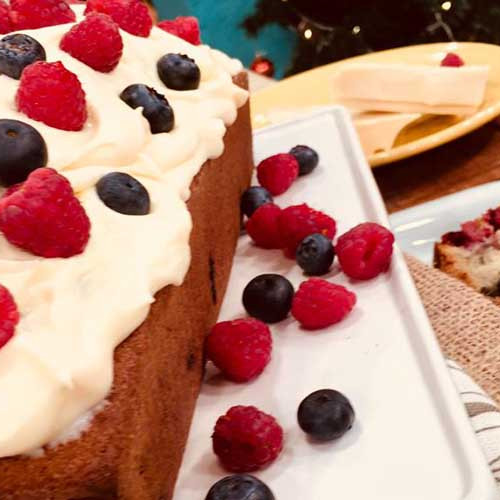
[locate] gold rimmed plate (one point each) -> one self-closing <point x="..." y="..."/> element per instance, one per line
<point x="313" y="88"/>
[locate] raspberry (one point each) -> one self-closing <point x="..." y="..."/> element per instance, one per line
<point x="263" y="226"/>
<point x="298" y="221"/>
<point x="318" y="304"/>
<point x="186" y="28"/>
<point x="96" y="41"/>
<point x="452" y="60"/>
<point x="246" y="439"/>
<point x="477" y="231"/>
<point x="131" y="15"/>
<point x="241" y="349"/>
<point x="492" y="217"/>
<point x="32" y="14"/>
<point x="9" y="316"/>
<point x="365" y="251"/>
<point x="278" y="172"/>
<point x="51" y="94"/>
<point x="44" y="217"/>
<point x="5" y="22"/>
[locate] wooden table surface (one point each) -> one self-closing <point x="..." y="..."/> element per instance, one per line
<point x="466" y="162"/>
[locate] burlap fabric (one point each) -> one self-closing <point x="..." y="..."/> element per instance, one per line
<point x="468" y="328"/>
<point x="466" y="324"/>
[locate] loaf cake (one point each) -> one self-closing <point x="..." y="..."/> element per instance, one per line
<point x="100" y="379"/>
<point x="472" y="254"/>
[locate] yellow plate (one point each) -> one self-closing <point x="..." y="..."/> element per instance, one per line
<point x="312" y="88"/>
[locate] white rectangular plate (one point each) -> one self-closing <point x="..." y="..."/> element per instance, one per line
<point x="411" y="439"/>
<point x="419" y="227"/>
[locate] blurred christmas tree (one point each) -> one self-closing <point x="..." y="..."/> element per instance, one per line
<point x="330" y="30"/>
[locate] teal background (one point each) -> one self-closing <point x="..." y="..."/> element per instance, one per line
<point x="220" y="22"/>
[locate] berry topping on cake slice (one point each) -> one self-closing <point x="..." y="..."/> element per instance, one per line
<point x="51" y="94"/>
<point x="186" y="28"/>
<point x="44" y="217"/>
<point x="5" y="20"/>
<point x="23" y="151"/>
<point x="131" y="15"/>
<point x="17" y="52"/>
<point x="96" y="41"/>
<point x="473" y="253"/>
<point x="155" y="107"/>
<point x="9" y="316"/>
<point x="32" y="14"/>
<point x="179" y="72"/>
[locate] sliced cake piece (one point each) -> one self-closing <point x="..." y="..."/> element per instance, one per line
<point x="473" y="253"/>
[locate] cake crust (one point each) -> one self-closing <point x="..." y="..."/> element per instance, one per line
<point x="134" y="446"/>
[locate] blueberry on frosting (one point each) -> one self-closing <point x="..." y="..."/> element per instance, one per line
<point x="179" y="72"/>
<point x="18" y="51"/>
<point x="155" y="107"/>
<point x="124" y="194"/>
<point x="22" y="150"/>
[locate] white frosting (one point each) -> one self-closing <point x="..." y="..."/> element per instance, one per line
<point x="410" y="88"/>
<point x="74" y="312"/>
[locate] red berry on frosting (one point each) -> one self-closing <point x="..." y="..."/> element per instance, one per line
<point x="96" y="41"/>
<point x="246" y="439"/>
<point x="263" y="226"/>
<point x="365" y="251"/>
<point x="44" y="217"/>
<point x="32" y="14"/>
<point x="241" y="349"/>
<point x="452" y="60"/>
<point x="186" y="28"/>
<point x="131" y="15"/>
<point x="5" y="21"/>
<point x="319" y="303"/>
<point x="51" y="94"/>
<point x="9" y="316"/>
<point x="278" y="172"/>
<point x="298" y="221"/>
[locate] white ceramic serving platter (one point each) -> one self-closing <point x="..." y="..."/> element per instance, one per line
<point x="419" y="227"/>
<point x="411" y="439"/>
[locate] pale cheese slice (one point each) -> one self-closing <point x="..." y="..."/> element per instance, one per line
<point x="409" y="88"/>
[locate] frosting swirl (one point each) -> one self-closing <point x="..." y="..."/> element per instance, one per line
<point x="74" y="312"/>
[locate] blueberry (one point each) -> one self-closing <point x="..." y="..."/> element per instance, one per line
<point x="179" y="72"/>
<point x="18" y="51"/>
<point x="240" y="487"/>
<point x="22" y="150"/>
<point x="155" y="108"/>
<point x="315" y="254"/>
<point x="253" y="198"/>
<point x="124" y="194"/>
<point x="268" y="297"/>
<point x="326" y="415"/>
<point x="308" y="158"/>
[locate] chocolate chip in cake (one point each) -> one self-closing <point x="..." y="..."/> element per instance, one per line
<point x="191" y="361"/>
<point x="213" y="286"/>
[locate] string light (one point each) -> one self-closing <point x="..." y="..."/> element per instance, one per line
<point x="356" y="30"/>
<point x="446" y="6"/>
<point x="308" y="34"/>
